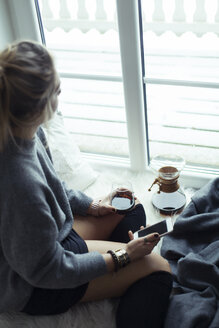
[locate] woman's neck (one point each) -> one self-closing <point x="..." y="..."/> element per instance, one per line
<point x="25" y="133"/>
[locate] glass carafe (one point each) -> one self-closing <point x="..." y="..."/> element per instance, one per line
<point x="169" y="198"/>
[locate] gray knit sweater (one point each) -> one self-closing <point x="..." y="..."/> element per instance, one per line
<point x="36" y="214"/>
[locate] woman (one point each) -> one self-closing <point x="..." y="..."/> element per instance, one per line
<point x="46" y="266"/>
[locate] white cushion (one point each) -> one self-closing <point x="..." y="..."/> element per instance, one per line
<point x="68" y="161"/>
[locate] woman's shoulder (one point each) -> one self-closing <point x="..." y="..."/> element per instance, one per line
<point x="22" y="177"/>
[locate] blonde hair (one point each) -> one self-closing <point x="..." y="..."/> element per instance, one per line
<point x="27" y="82"/>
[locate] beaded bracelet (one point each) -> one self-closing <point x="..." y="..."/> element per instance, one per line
<point x="120" y="258"/>
<point x="115" y="259"/>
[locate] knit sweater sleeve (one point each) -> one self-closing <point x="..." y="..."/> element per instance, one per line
<point x="30" y="246"/>
<point x="78" y="200"/>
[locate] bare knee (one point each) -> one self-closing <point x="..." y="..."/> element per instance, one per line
<point x="164" y="265"/>
<point x="155" y="262"/>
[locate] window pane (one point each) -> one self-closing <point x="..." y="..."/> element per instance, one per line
<point x="180" y="44"/>
<point x="84" y="40"/>
<point x="96" y="120"/>
<point x="185" y="121"/>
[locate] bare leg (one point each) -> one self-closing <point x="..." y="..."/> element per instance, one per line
<point x="109" y="227"/>
<point x="96" y="228"/>
<point x="115" y="284"/>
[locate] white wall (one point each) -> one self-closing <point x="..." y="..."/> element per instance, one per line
<point x="18" y="20"/>
<point x="7" y="34"/>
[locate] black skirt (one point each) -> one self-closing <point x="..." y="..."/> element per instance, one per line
<point x="56" y="301"/>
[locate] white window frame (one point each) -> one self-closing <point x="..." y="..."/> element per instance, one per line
<point x="26" y="25"/>
<point x="133" y="84"/>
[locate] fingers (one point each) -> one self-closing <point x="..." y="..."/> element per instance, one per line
<point x="106" y="209"/>
<point x="110" y="208"/>
<point x="137" y="201"/>
<point x="131" y="235"/>
<point x="153" y="237"/>
<point x="140" y="247"/>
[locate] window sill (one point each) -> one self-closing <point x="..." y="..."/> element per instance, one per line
<point x="189" y="178"/>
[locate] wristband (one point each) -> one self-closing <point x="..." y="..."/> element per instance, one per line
<point x="94" y="208"/>
<point x="115" y="259"/>
<point x="120" y="258"/>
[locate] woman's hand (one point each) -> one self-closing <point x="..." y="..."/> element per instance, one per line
<point x="140" y="247"/>
<point x="101" y="207"/>
<point x="105" y="208"/>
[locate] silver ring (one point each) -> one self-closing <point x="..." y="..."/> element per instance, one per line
<point x="145" y="240"/>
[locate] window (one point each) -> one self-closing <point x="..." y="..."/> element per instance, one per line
<point x="83" y="37"/>
<point x="182" y="78"/>
<point x="139" y="77"/>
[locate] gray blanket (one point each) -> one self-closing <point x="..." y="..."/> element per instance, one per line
<point x="193" y="253"/>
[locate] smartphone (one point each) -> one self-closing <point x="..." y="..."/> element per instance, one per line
<point x="123" y="201"/>
<point x="164" y="227"/>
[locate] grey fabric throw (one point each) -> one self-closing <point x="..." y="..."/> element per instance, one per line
<point x="193" y="253"/>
